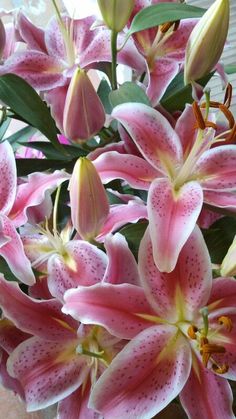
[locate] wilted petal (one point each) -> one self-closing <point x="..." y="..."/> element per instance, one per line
<point x="84" y="264"/>
<point x="160" y="75"/>
<point x="207" y="393"/>
<point x="8" y="177"/>
<point x="135" y="170"/>
<point x="122" y="266"/>
<point x="12" y="250"/>
<point x="145" y="376"/>
<point x="216" y="169"/>
<point x="32" y="193"/>
<point x="42" y="318"/>
<point x="116" y="307"/>
<point x="48" y="371"/>
<point x="186" y="289"/>
<point x="38" y="69"/>
<point x="172" y="217"/>
<point x="152" y="134"/>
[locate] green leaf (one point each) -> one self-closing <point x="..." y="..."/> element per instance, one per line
<point x="158" y="14"/>
<point x="3" y="127"/>
<point x="25" y="102"/>
<point x="219" y="237"/>
<point x="103" y="93"/>
<point x="128" y="92"/>
<point x="4" y="269"/>
<point x="133" y="234"/>
<point x="27" y="166"/>
<point x="21" y="136"/>
<point x="177" y="94"/>
<point x="50" y="152"/>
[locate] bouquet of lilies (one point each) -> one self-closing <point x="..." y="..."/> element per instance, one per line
<point x="117" y="212"/>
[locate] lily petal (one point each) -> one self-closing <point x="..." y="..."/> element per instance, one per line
<point x="172" y="217"/>
<point x="221" y="199"/>
<point x="144" y="377"/>
<point x="48" y="371"/>
<point x="32" y="35"/>
<point x="76" y="405"/>
<point x="186" y="288"/>
<point x="153" y="135"/>
<point x="160" y="75"/>
<point x="8" y="177"/>
<point x="12" y="250"/>
<point x="216" y="403"/>
<point x="116" y="307"/>
<point x="135" y="170"/>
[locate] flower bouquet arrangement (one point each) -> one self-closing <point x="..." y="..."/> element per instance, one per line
<point x="117" y="212"/>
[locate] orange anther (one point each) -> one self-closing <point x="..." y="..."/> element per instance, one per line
<point x="228" y="115"/>
<point x="228" y="95"/>
<point x="192" y="332"/>
<point x="222" y="369"/>
<point x="226" y="322"/>
<point x="210" y="124"/>
<point x="207" y="349"/>
<point x="166" y="26"/>
<point x="198" y="116"/>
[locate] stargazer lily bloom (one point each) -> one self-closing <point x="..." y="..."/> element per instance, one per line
<point x="163" y="48"/>
<point x="181" y="331"/>
<point x="179" y="169"/>
<point x="15" y="201"/>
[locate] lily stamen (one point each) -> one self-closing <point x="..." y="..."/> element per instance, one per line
<point x="198" y="115"/>
<point x="226" y="322"/>
<point x="209" y="349"/>
<point x="220" y="369"/>
<point x="166" y="26"/>
<point x="228" y="95"/>
<point x="192" y="331"/>
<point x="228" y="114"/>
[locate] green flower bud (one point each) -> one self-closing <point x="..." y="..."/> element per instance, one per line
<point x="207" y="41"/>
<point x="116" y="13"/>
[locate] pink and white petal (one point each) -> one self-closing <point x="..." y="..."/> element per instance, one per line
<point x="186" y="288"/>
<point x="48" y="371"/>
<point x="119" y="147"/>
<point x="10" y="336"/>
<point x="186" y="129"/>
<point x="12" y="250"/>
<point x="38" y="69"/>
<point x="36" y="247"/>
<point x="8" y="177"/>
<point x="40" y="212"/>
<point x="221" y="199"/>
<point x="207" y="393"/>
<point x="153" y="135"/>
<point x="135" y="170"/>
<point x="216" y="169"/>
<point x="75" y="406"/>
<point x="10" y="44"/>
<point x="6" y="380"/>
<point x="223" y="294"/>
<point x="122" y="266"/>
<point x="40" y="289"/>
<point x="32" y="35"/>
<point x="42" y="318"/>
<point x="84" y="264"/>
<point x="54" y="42"/>
<point x="161" y="74"/>
<point x="172" y="217"/>
<point x="175" y="45"/>
<point x="145" y="376"/>
<point x="207" y="218"/>
<point x="56" y="99"/>
<point x="120" y="215"/>
<point x="32" y="193"/>
<point x="118" y="308"/>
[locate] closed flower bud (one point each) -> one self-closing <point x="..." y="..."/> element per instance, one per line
<point x="207" y="41"/>
<point x="116" y="13"/>
<point x="83" y="114"/>
<point x="89" y="204"/>
<point x="228" y="266"/>
<point x="2" y="38"/>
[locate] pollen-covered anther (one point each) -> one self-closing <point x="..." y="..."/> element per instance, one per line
<point x="226" y="322"/>
<point x="192" y="332"/>
<point x="166" y="26"/>
<point x="210" y="124"/>
<point x="220" y="369"/>
<point x="228" y="95"/>
<point x="208" y="349"/>
<point x="198" y="115"/>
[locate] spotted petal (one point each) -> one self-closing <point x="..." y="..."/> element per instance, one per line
<point x="8" y="177"/>
<point x="161" y="74"/>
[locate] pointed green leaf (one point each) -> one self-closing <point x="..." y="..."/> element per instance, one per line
<point x="128" y="92"/>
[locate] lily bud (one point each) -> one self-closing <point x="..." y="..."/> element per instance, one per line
<point x="207" y="41"/>
<point x="116" y="13"/>
<point x="83" y="114"/>
<point x="89" y="203"/>
<point x="2" y="38"/>
<point x="228" y="266"/>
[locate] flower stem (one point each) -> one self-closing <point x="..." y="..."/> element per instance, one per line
<point x="114" y="59"/>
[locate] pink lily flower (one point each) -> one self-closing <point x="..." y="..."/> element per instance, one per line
<point x="53" y="55"/>
<point x="181" y="338"/>
<point x="180" y="171"/>
<point x="14" y="203"/>
<point x="58" y="359"/>
<point x="164" y="50"/>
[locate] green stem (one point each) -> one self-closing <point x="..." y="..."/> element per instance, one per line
<point x="114" y="59"/>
